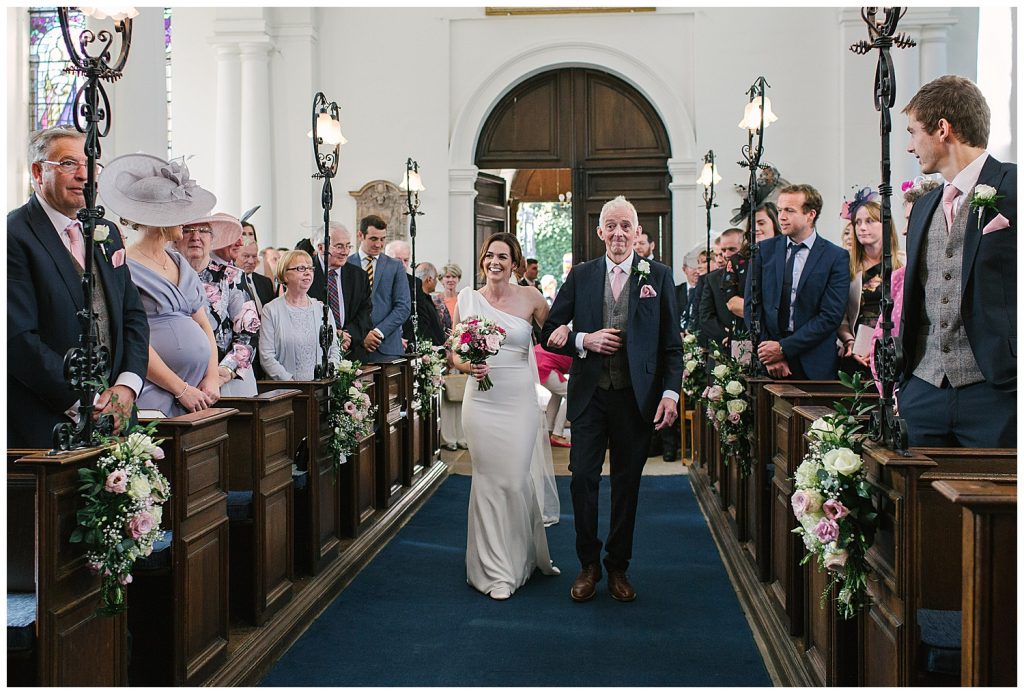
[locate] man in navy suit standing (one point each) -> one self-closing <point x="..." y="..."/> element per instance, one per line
<point x="805" y="280"/>
<point x="389" y="292"/>
<point x="625" y="379"/>
<point x="959" y="385"/>
<point x="45" y="259"/>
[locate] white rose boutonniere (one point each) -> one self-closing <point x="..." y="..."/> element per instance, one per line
<point x="985" y="197"/>
<point x="643" y="271"/>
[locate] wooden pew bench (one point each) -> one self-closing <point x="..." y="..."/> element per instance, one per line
<point x="358" y="480"/>
<point x="392" y="408"/>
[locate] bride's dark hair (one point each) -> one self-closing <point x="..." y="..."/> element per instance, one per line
<point x="514" y="247"/>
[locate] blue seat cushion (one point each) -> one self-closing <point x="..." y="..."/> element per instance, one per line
<point x="300" y="478"/>
<point x="21" y="621"/>
<point x="940" y="638"/>
<point x="240" y="506"/>
<point x="160" y="557"/>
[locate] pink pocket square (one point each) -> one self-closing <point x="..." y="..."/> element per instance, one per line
<point x="647" y="292"/>
<point x="999" y="222"/>
<point x="117" y="259"/>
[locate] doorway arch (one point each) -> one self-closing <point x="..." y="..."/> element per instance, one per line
<point x="600" y="128"/>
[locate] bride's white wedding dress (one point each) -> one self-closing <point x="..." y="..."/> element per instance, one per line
<point x="512" y="479"/>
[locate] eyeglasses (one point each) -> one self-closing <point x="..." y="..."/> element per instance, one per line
<point x="197" y="230"/>
<point x="341" y="246"/>
<point x="301" y="268"/>
<point x="70" y="166"/>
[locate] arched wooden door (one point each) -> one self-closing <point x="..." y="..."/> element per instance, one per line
<point x="600" y="127"/>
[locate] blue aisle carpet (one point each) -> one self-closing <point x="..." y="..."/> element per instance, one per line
<point x="410" y="618"/>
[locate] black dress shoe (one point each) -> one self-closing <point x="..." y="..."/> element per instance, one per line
<point x="585" y="586"/>
<point x="670" y="457"/>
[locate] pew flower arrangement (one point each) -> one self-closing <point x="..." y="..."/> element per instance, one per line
<point x="349" y="413"/>
<point x="695" y="377"/>
<point x="428" y="374"/>
<point x="728" y="408"/>
<point x="122" y="506"/>
<point x="832" y="501"/>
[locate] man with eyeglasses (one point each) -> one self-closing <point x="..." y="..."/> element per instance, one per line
<point x="389" y="289"/>
<point x="45" y="260"/>
<point x="346" y="290"/>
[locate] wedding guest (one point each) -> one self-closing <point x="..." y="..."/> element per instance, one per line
<point x="268" y="263"/>
<point x="863" y="306"/>
<point x="847" y="236"/>
<point x="183" y="374"/>
<point x="452" y="435"/>
<point x="248" y="234"/>
<point x="391" y="301"/>
<point x="721" y="306"/>
<point x="690" y="319"/>
<point x="426" y="273"/>
<point x="232" y="314"/>
<point x="644" y="246"/>
<point x="552" y="369"/>
<point x="451" y="275"/>
<point x="429" y="326"/>
<point x="290" y="334"/>
<point x="959" y="384"/>
<point x="549" y="288"/>
<point x="766" y="222"/>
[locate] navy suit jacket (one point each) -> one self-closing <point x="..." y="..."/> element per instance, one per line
<point x="653" y="346"/>
<point x="821" y="298"/>
<point x="44" y="293"/>
<point x="988" y="289"/>
<point x="390" y="305"/>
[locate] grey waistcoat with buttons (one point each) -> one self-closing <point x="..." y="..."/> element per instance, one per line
<point x="99" y="304"/>
<point x="615" y="367"/>
<point x="942" y="342"/>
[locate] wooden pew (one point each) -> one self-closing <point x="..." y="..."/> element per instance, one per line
<point x="392" y="406"/>
<point x="73" y="646"/>
<point x="412" y="461"/>
<point x="317" y="513"/>
<point x="262" y="446"/>
<point x="432" y="433"/>
<point x="989" y="576"/>
<point x="756" y="538"/>
<point x="916" y="559"/>
<point x="358" y="476"/>
<point x="178" y="609"/>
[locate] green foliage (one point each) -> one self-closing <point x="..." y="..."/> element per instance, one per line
<point x="552" y="234"/>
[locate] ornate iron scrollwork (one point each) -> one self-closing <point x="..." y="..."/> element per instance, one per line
<point x="327" y="167"/>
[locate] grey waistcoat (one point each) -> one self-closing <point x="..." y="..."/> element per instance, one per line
<point x="942" y="343"/>
<point x="99" y="305"/>
<point x="615" y="367"/>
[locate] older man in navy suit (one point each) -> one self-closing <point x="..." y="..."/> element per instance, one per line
<point x="959" y="386"/>
<point x="45" y="259"/>
<point x="389" y="290"/>
<point x="624" y="383"/>
<point x="805" y="280"/>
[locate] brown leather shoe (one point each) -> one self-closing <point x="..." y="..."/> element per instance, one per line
<point x="585" y="586"/>
<point x="618" y="586"/>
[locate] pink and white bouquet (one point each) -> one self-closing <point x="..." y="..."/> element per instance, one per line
<point x="428" y="366"/>
<point x="832" y="500"/>
<point x="350" y="413"/>
<point x="475" y="340"/>
<point x="122" y="507"/>
<point x="728" y="409"/>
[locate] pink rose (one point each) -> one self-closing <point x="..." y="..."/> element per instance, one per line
<point x="140" y="524"/>
<point x="733" y="417"/>
<point x="466" y="338"/>
<point x="117" y="259"/>
<point x="95" y="567"/>
<point x="242" y="354"/>
<point x="117" y="482"/>
<point x="350" y="408"/>
<point x="248" y="320"/>
<point x="799" y="502"/>
<point x="493" y="342"/>
<point x="125" y="580"/>
<point x="826" y="530"/>
<point x="704" y="394"/>
<point x="686" y="373"/>
<point x="836" y="561"/>
<point x="647" y="292"/>
<point x="715" y="393"/>
<point x="212" y="292"/>
<point x="834" y="509"/>
<point x="158" y="454"/>
<point x="710" y="413"/>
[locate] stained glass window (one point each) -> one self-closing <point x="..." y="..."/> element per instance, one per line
<point x="52" y="89"/>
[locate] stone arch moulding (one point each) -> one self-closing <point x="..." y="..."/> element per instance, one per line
<point x="542" y="58"/>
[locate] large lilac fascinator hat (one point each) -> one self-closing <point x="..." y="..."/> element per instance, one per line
<point x="862" y="196"/>
<point x="152" y="191"/>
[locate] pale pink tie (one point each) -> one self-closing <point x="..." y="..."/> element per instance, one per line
<point x="948" y="196"/>
<point x="618" y="279"/>
<point x="74" y="232"/>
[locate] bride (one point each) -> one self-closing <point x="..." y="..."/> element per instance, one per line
<point x="506" y="538"/>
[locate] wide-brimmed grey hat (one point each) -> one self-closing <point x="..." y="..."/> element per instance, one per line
<point x="152" y="191"/>
<point x="226" y="229"/>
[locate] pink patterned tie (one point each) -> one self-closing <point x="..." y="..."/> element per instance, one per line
<point x="618" y="279"/>
<point x="948" y="196"/>
<point x="74" y="232"/>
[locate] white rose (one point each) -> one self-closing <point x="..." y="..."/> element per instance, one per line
<point x="690" y="338"/>
<point x="691" y="365"/>
<point x="139" y="488"/>
<point x="738" y="406"/>
<point x="720" y="415"/>
<point x="720" y="371"/>
<point x="734" y="388"/>
<point x="842" y="461"/>
<point x="644" y="266"/>
<point x="985" y="192"/>
<point x="345" y="365"/>
<point x="101" y="233"/>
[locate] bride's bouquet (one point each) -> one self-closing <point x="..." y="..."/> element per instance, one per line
<point x="475" y="339"/>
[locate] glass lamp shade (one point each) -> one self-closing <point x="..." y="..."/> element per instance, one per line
<point x="709" y="174"/>
<point x="115" y="12"/>
<point x="328" y="129"/>
<point x="752" y="114"/>
<point x="411" y="181"/>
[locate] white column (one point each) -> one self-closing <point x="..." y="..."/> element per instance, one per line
<point x="683" y="184"/>
<point x="256" y="161"/>
<point x="462" y="220"/>
<point x="228" y="115"/>
<point x="19" y="123"/>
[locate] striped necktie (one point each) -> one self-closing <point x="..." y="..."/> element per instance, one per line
<point x="369" y="269"/>
<point x="333" y="300"/>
